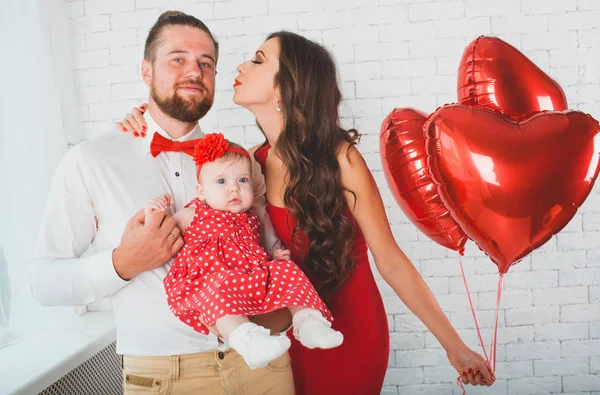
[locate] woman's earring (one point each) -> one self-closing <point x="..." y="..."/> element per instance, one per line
<point x="277" y="109"/>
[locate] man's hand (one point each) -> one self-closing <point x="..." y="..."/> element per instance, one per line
<point x="146" y="244"/>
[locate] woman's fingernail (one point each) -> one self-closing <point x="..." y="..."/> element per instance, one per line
<point x="144" y="128"/>
<point x="143" y="134"/>
<point x="477" y="373"/>
<point x="136" y="134"/>
<point x="470" y="370"/>
<point x="123" y="128"/>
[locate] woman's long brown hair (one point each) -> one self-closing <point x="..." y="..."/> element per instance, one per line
<point x="308" y="146"/>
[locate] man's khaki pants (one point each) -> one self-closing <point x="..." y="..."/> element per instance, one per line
<point x="207" y="373"/>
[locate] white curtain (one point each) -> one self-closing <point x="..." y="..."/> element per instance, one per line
<point x="38" y="116"/>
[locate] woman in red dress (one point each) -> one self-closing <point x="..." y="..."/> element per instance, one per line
<point x="358" y="366"/>
<point x="326" y="208"/>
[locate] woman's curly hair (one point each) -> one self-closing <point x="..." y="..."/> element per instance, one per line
<point x="308" y="146"/>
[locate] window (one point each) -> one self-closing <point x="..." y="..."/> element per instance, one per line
<point x="37" y="101"/>
<point x="5" y="298"/>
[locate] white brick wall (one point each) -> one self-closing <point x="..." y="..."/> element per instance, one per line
<point x="394" y="53"/>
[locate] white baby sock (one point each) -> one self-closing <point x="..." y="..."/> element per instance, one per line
<point x="314" y="331"/>
<point x="255" y="344"/>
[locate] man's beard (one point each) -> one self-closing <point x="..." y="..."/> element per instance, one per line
<point x="181" y="109"/>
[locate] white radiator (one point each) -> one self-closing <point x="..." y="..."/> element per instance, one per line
<point x="99" y="375"/>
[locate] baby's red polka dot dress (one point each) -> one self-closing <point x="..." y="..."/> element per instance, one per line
<point x="223" y="270"/>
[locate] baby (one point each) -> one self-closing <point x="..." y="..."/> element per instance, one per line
<point x="222" y="274"/>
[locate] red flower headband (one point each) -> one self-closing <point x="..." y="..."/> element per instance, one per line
<point x="213" y="146"/>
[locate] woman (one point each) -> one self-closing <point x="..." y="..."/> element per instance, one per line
<point x="326" y="209"/>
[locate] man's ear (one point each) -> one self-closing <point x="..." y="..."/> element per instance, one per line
<point x="147" y="71"/>
<point x="200" y="191"/>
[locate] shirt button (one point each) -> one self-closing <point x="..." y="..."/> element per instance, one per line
<point x="176" y="174"/>
<point x="221" y="355"/>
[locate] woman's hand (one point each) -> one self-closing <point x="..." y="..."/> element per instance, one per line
<point x="134" y="122"/>
<point x="281" y="254"/>
<point x="473" y="369"/>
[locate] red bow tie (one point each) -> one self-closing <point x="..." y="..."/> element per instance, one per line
<point x="162" y="144"/>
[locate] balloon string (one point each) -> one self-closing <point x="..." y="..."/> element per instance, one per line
<point x="493" y="345"/>
<point x="460" y="384"/>
<point x="492" y="354"/>
<point x="462" y="270"/>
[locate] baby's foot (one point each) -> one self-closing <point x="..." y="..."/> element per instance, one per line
<point x="314" y="331"/>
<point x="255" y="344"/>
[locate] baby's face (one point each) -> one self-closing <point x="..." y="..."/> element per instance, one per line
<point x="227" y="185"/>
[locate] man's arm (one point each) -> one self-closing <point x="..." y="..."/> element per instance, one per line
<point x="58" y="275"/>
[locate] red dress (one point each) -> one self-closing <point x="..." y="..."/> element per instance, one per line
<point x="222" y="269"/>
<point x="358" y="366"/>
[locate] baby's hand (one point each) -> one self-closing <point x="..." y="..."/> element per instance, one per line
<point x="160" y="203"/>
<point x="281" y="254"/>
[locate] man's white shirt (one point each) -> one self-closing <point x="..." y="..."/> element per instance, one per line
<point x="98" y="186"/>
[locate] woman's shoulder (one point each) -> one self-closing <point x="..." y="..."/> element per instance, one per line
<point x="259" y="151"/>
<point x="253" y="149"/>
<point x="354" y="172"/>
<point x="348" y="156"/>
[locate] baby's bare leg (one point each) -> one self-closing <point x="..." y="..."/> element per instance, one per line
<point x="227" y="324"/>
<point x="294" y="309"/>
<point x="277" y="321"/>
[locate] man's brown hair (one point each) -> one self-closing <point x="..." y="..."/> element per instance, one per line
<point x="173" y="18"/>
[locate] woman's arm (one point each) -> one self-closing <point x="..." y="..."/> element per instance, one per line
<point x="268" y="237"/>
<point x="396" y="269"/>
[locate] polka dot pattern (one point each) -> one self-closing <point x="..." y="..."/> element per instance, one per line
<point x="222" y="269"/>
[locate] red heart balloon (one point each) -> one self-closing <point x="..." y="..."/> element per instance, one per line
<point x="402" y="148"/>
<point x="511" y="185"/>
<point x="495" y="75"/>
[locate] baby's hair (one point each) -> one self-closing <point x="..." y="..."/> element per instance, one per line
<point x="231" y="155"/>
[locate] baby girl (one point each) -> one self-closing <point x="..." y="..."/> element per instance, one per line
<point x="222" y="274"/>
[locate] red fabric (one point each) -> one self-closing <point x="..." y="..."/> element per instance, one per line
<point x="213" y="146"/>
<point x="222" y="270"/>
<point x="359" y="365"/>
<point x="162" y="144"/>
<point x="209" y="148"/>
